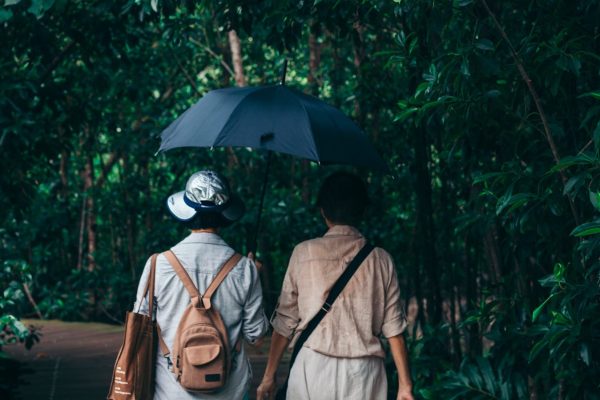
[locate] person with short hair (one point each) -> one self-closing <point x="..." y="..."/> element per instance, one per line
<point x="205" y="206"/>
<point x="343" y="358"/>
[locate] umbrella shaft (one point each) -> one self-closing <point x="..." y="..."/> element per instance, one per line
<point x="254" y="243"/>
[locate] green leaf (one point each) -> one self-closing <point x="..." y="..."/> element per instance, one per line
<point x="581" y="159"/>
<point x="487" y="373"/>
<point x="511" y="203"/>
<point x="560" y="319"/>
<point x="596" y="137"/>
<point x="484" y="44"/>
<point x="490" y="94"/>
<point x="11" y="2"/>
<point x="405" y="114"/>
<point x="587" y="229"/>
<point x="537" y="349"/>
<point x="422" y="88"/>
<point x="584" y="353"/>
<point x="462" y="3"/>
<point x="487" y="177"/>
<point x="39" y="7"/>
<point x="538" y="310"/>
<point x="573" y="184"/>
<point x="559" y="271"/>
<point x="594" y="95"/>
<point x="5" y="15"/>
<point x="595" y="199"/>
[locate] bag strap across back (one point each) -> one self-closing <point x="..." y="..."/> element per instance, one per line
<point x="189" y="285"/>
<point x="226" y="269"/>
<point x="337" y="288"/>
<point x="193" y="290"/>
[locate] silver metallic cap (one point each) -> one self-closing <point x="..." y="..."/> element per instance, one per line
<point x="205" y="191"/>
<point x="206" y="186"/>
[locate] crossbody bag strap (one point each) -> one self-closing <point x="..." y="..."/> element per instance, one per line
<point x="225" y="269"/>
<point x="337" y="288"/>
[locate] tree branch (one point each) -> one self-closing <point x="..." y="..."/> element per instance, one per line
<point x="112" y="159"/>
<point x="536" y="100"/>
<point x="184" y="71"/>
<point x="56" y="60"/>
<point x="215" y="55"/>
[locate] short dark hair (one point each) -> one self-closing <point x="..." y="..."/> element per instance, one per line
<point x="206" y="220"/>
<point x="343" y="198"/>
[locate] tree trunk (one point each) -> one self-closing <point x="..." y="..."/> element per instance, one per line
<point x="416" y="283"/>
<point x="236" y="58"/>
<point x="314" y="49"/>
<point x="337" y="70"/>
<point x="359" y="57"/>
<point x="314" y="60"/>
<point x="474" y="342"/>
<point x="426" y="238"/>
<point x="88" y="179"/>
<point x="490" y="244"/>
<point x="129" y="219"/>
<point x="81" y="231"/>
<point x="235" y="48"/>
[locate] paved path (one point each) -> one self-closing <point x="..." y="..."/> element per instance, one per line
<point x="75" y="361"/>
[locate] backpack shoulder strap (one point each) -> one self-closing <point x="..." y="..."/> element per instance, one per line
<point x="183" y="275"/>
<point x="227" y="267"/>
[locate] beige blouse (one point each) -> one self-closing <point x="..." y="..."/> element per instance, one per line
<point x="369" y="306"/>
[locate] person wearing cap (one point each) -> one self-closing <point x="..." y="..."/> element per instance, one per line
<point x="343" y="358"/>
<point x="205" y="206"/>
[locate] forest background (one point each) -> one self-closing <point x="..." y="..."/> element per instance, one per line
<point x="488" y="114"/>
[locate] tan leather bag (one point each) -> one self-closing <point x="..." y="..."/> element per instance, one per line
<point x="201" y="352"/>
<point x="133" y="375"/>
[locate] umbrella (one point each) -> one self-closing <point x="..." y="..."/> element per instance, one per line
<point x="276" y="118"/>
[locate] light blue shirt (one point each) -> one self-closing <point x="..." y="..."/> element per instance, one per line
<point x="238" y="299"/>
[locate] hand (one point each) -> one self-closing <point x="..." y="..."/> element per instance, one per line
<point x="405" y="394"/>
<point x="259" y="264"/>
<point x="266" y="389"/>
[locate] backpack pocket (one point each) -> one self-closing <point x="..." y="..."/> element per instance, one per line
<point x="202" y="367"/>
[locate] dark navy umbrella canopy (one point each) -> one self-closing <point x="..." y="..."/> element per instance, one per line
<point x="276" y="118"/>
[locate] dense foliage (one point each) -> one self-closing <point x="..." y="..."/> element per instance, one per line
<point x="488" y="114"/>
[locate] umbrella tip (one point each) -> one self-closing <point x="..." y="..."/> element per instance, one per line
<point x="284" y="70"/>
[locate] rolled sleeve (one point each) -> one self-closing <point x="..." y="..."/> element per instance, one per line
<point x="394" y="319"/>
<point x="285" y="318"/>
<point x="255" y="323"/>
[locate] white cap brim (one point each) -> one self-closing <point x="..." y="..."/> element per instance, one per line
<point x="178" y="208"/>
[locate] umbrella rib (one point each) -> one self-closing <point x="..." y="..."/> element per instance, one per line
<point x="312" y="139"/>
<point x="225" y="125"/>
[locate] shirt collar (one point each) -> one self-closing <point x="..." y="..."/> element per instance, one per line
<point x="204" y="237"/>
<point x="343" y="230"/>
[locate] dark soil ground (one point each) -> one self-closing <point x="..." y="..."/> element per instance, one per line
<point x="75" y="361"/>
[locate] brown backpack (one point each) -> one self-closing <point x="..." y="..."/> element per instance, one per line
<point x="201" y="352"/>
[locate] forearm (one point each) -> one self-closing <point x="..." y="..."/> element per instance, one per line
<point x="278" y="346"/>
<point x="400" y="356"/>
